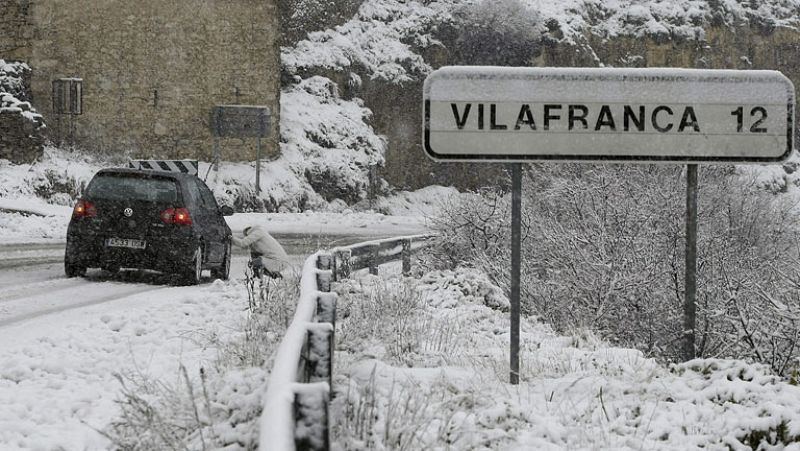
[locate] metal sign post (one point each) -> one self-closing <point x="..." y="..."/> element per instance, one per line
<point x="516" y="235"/>
<point x="240" y="121"/>
<point x="258" y="164"/>
<point x="690" y="295"/>
<point x="689" y="116"/>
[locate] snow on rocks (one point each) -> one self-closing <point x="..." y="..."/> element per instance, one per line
<point x="386" y="37"/>
<point x="328" y="141"/>
<point x="12" y="90"/>
<point x="381" y="38"/>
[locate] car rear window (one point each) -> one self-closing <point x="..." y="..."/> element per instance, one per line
<point x="126" y="187"/>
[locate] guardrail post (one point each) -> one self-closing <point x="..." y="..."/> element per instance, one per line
<point x="326" y="308"/>
<point x="324" y="261"/>
<point x="406" y="256"/>
<point x="319" y="361"/>
<point x="324" y="281"/>
<point x="326" y="313"/>
<point x="374" y="256"/>
<point x="312" y="431"/>
<point x="342" y="264"/>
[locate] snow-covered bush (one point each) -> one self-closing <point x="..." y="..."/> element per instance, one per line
<point x="57" y="178"/>
<point x="604" y="249"/>
<point x="376" y="311"/>
<point x="748" y="297"/>
<point x="14" y="97"/>
<point x="575" y="392"/>
<point x="424" y="327"/>
<point x="328" y="141"/>
<point x="462" y="286"/>
<point x="734" y="385"/>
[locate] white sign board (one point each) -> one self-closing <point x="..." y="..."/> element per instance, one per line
<point x="600" y="114"/>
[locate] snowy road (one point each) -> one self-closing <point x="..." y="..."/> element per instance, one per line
<point x="32" y="281"/>
<point x="63" y="340"/>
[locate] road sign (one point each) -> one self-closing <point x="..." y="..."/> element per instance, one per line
<point x="601" y="114"/>
<point x="240" y="121"/>
<point x="68" y="96"/>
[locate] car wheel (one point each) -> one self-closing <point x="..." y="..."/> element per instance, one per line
<point x="73" y="270"/>
<point x="193" y="273"/>
<point x="224" y="269"/>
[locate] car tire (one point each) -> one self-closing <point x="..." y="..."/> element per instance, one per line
<point x="223" y="271"/>
<point x="74" y="270"/>
<point x="192" y="274"/>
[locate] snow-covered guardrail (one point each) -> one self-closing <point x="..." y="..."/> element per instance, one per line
<point x="295" y="415"/>
<point x="371" y="254"/>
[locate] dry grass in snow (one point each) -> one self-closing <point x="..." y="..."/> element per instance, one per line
<point x="422" y="364"/>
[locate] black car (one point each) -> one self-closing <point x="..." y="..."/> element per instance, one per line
<point x="158" y="220"/>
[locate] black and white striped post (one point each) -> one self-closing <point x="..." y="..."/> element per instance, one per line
<point x="183" y="166"/>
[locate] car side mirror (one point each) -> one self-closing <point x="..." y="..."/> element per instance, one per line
<point x="226" y="210"/>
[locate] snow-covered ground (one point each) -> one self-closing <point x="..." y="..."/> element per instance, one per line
<point x="65" y="341"/>
<point x="423" y="364"/>
<point x="57" y="384"/>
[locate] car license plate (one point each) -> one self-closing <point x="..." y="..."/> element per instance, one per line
<point x="126" y="242"/>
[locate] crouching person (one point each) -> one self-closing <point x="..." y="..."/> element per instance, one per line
<point x="267" y="256"/>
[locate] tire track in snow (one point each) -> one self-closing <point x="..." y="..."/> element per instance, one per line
<point x="52" y="286"/>
<point x="18" y="262"/>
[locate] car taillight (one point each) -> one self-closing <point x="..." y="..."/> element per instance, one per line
<point x="177" y="216"/>
<point x="84" y="209"/>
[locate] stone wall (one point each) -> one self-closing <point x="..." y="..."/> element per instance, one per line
<point x="20" y="141"/>
<point x="153" y="69"/>
<point x="15" y="30"/>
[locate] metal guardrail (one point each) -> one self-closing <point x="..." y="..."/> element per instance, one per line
<point x="296" y="406"/>
<point x="371" y="254"/>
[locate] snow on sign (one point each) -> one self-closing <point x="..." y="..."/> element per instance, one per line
<point x="600" y="114"/>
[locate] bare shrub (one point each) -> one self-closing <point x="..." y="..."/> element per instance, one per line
<point x="371" y="419"/>
<point x="155" y="414"/>
<point x="380" y="311"/>
<point x="270" y="311"/>
<point x="404" y="413"/>
<point x="749" y="296"/>
<point x="604" y="249"/>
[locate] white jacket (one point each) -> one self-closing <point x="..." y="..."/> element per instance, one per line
<point x="260" y="242"/>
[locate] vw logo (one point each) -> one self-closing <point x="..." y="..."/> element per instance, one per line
<point x="128" y="212"/>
